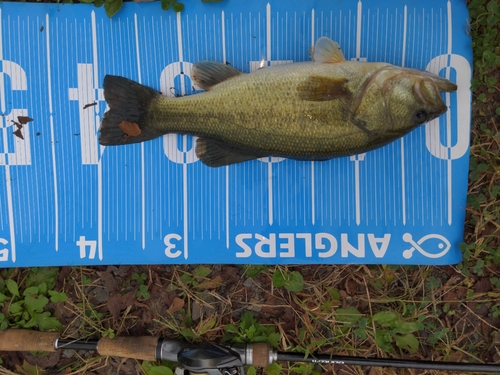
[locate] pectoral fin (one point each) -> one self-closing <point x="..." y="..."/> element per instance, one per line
<point x="218" y="154"/>
<point x="206" y="74"/>
<point x="327" y="51"/>
<point x="319" y="88"/>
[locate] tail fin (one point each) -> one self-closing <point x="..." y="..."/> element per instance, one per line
<point x="127" y="119"/>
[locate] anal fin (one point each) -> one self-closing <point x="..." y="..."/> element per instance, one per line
<point x="218" y="154"/>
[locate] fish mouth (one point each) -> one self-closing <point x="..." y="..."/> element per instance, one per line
<point x="427" y="91"/>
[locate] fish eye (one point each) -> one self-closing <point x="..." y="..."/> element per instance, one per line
<point x="420" y="116"/>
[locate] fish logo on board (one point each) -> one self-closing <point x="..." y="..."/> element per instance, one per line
<point x="434" y="242"/>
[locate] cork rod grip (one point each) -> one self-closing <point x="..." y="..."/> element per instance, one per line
<point x="129" y="347"/>
<point x="23" y="340"/>
<point x="260" y="355"/>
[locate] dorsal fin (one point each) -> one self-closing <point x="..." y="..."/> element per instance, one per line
<point x="327" y="51"/>
<point x="206" y="74"/>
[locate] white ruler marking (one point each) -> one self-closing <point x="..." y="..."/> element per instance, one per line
<point x="269" y="160"/>
<point x="448" y="117"/>
<point x="96" y="122"/>
<point x="403" y="172"/>
<point x="268" y="32"/>
<point x="313" y="204"/>
<point x="143" y="181"/>
<point x="8" y="182"/>
<point x="223" y="34"/>
<point x="184" y="164"/>
<point x="358" y="29"/>
<point x="52" y="137"/>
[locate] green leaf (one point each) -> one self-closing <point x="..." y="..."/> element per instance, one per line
<point x="273" y="338"/>
<point x="405" y="327"/>
<point x="492" y="20"/>
<point x="112" y="7"/>
<point x="251" y="370"/>
<point x="383" y="340"/>
<point x="39" y="275"/>
<point x="57" y="296"/>
<point x="35" y="303"/>
<point x="16" y="308"/>
<point x="334" y="294"/>
<point x="253" y="271"/>
<point x="3" y="298"/>
<point x="407" y="342"/>
<point x="12" y="287"/>
<point x="349" y="315"/>
<point x="178" y="7"/>
<point x="151" y="369"/>
<point x="30" y="369"/>
<point x="295" y="282"/>
<point x="278" y="279"/>
<point x="385" y="318"/>
<point x="165" y="4"/>
<point x="98" y="3"/>
<point x="201" y="271"/>
<point x="30" y="291"/>
<point x="361" y="333"/>
<point x="206" y="326"/>
<point x="250" y="332"/>
<point x="186" y="279"/>
<point x="493" y="6"/>
<point x="30" y="323"/>
<point x="292" y="281"/>
<point x="274" y="368"/>
<point x="230" y="328"/>
<point x="42" y="288"/>
<point x="87" y="1"/>
<point x="45" y="322"/>
<point x="491" y="81"/>
<point x="247" y="320"/>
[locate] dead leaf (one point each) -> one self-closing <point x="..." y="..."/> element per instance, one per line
<point x="482" y="286"/>
<point x="89" y="105"/>
<point x="108" y="281"/>
<point x="116" y="303"/>
<point x="211" y="284"/>
<point x="23" y="120"/>
<point x="42" y="362"/>
<point x="130" y="128"/>
<point x="177" y="305"/>
<point x="18" y="134"/>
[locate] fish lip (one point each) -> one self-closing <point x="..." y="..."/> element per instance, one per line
<point x="442" y="84"/>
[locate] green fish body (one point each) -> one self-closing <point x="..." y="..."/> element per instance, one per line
<point x="315" y="110"/>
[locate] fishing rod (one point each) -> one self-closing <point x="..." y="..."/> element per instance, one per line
<point x="198" y="358"/>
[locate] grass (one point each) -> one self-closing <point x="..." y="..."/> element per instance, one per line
<point x="442" y="313"/>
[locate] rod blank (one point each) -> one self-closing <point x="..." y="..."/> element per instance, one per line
<point x="391" y="362"/>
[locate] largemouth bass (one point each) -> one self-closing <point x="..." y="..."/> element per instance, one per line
<point x="316" y="110"/>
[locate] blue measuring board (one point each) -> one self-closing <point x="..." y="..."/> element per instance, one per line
<point x="66" y="200"/>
